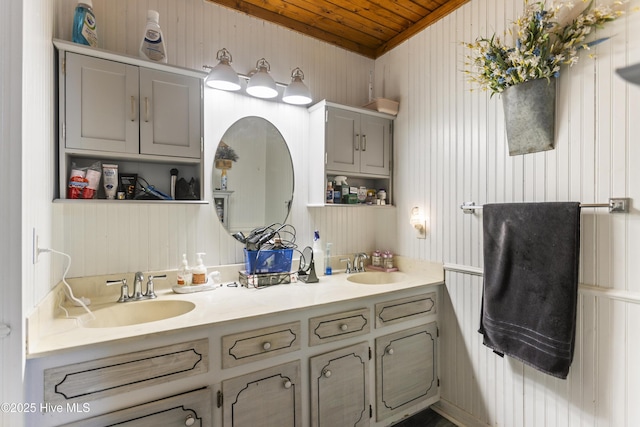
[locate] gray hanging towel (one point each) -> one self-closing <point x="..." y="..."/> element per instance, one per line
<point x="531" y="255"/>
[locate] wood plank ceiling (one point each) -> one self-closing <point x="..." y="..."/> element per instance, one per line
<point x="366" y="27"/>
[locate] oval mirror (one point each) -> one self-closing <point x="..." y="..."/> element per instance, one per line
<point x="252" y="176"/>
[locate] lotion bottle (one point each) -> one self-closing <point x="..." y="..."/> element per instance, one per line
<point x="199" y="272"/>
<point x="184" y="272"/>
<point x="152" y="46"/>
<point x="318" y="253"/>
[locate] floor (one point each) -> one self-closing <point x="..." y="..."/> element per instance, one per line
<point x="426" y="418"/>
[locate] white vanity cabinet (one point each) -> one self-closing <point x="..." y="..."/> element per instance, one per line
<point x="368" y="361"/>
<point x="144" y="116"/>
<point x="352" y="142"/>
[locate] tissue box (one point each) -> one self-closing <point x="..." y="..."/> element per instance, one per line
<point x="268" y="261"/>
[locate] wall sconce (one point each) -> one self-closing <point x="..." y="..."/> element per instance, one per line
<point x="297" y="93"/>
<point x="222" y="76"/>
<point x="261" y="84"/>
<point x="418" y="221"/>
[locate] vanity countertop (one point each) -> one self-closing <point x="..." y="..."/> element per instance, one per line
<point x="49" y="333"/>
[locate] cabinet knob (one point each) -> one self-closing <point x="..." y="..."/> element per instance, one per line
<point x="389" y="351"/>
<point x="287" y="384"/>
<point x="344" y="327"/>
<point x="326" y="373"/>
<point x="189" y="421"/>
<point x="266" y="346"/>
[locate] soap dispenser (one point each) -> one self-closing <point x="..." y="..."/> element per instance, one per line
<point x="199" y="273"/>
<point x="184" y="272"/>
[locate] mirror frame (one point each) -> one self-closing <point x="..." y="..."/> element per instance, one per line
<point x="214" y="176"/>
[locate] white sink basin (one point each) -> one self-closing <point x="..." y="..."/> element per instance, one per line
<point x="377" y="278"/>
<point x="137" y="312"/>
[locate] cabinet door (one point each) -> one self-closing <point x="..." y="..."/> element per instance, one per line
<point x="267" y="398"/>
<point x="375" y="145"/>
<point x="340" y="387"/>
<point x="101" y="104"/>
<point x="343" y="141"/>
<point x="406" y="370"/>
<point x="187" y="409"/>
<point x="170" y="114"/>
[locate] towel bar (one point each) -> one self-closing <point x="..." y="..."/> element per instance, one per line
<point x="615" y="205"/>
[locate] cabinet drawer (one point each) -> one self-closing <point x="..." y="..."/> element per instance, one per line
<point x="338" y="326"/>
<point x="259" y="344"/>
<point x="390" y="312"/>
<point x="96" y="379"/>
<point x="186" y="409"/>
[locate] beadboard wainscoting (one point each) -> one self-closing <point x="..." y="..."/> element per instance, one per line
<point x="484" y="389"/>
<point x="451" y="148"/>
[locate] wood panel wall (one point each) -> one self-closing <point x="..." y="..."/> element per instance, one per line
<point x="451" y="148"/>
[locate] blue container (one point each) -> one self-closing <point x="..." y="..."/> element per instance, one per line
<point x="268" y="261"/>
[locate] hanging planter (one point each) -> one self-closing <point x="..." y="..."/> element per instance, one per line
<point x="520" y="65"/>
<point x="530" y="113"/>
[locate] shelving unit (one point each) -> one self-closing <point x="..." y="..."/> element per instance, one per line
<point x="144" y="116"/>
<point x="352" y="142"/>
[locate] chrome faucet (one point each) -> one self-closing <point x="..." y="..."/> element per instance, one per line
<point x="137" y="285"/>
<point x="137" y="294"/>
<point x="358" y="262"/>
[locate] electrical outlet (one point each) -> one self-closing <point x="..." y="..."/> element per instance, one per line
<point x="34" y="256"/>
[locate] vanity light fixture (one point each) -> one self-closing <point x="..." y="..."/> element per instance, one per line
<point x="222" y="76"/>
<point x="297" y="92"/>
<point x="418" y="221"/>
<point x="261" y="84"/>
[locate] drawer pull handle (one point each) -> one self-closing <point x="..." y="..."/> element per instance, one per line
<point x="356" y="142"/>
<point x="287" y="384"/>
<point x="189" y="421"/>
<point x="364" y="143"/>
<point x="344" y="327"/>
<point x="326" y="373"/>
<point x="266" y="346"/>
<point x="390" y="351"/>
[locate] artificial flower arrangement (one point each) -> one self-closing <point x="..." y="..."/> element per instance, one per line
<point x="545" y="37"/>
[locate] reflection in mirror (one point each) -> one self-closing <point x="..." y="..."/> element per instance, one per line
<point x="252" y="176"/>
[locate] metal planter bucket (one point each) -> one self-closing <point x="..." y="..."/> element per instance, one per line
<point x="530" y="112"/>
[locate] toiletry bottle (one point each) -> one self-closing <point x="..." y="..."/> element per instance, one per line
<point x="223" y="180"/>
<point x="387" y="260"/>
<point x="85" y="30"/>
<point x="199" y="272"/>
<point x="318" y="253"/>
<point x="329" y="192"/>
<point x="376" y="259"/>
<point x="152" y="46"/>
<point x="184" y="272"/>
<point x="327" y="260"/>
